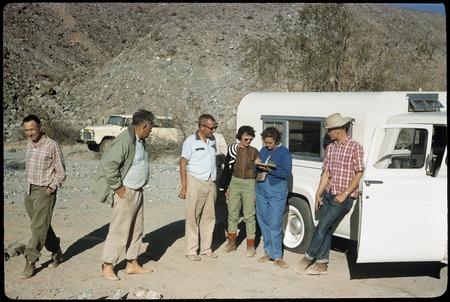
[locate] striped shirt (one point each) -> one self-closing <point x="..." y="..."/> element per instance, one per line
<point x="342" y="162"/>
<point x="44" y="164"/>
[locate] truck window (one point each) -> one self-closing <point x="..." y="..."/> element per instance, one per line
<point x="403" y="149"/>
<point x="438" y="145"/>
<point x="115" y="120"/>
<point x="305" y="137"/>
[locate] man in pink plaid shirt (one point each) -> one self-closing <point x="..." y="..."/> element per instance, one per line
<point x="45" y="172"/>
<point x="342" y="170"/>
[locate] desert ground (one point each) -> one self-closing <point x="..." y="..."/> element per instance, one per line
<point x="82" y="225"/>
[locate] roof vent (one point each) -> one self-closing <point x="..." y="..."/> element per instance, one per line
<point x="421" y="102"/>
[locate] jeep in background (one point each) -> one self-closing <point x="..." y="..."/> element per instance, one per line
<point x="99" y="137"/>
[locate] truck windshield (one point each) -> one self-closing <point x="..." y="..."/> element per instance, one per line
<point x="115" y="120"/>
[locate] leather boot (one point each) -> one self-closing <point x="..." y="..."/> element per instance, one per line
<point x="250" y="248"/>
<point x="108" y="272"/>
<point x="28" y="271"/>
<point x="133" y="267"/>
<point x="57" y="259"/>
<point x="231" y="245"/>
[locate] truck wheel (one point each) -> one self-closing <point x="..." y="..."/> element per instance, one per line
<point x="298" y="227"/>
<point x="105" y="145"/>
<point x="94" y="147"/>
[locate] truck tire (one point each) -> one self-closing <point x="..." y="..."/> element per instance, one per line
<point x="94" y="147"/>
<point x="298" y="227"/>
<point x="105" y="145"/>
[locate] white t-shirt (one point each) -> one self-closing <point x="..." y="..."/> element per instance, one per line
<point x="201" y="157"/>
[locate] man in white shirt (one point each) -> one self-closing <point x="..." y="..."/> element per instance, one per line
<point x="198" y="171"/>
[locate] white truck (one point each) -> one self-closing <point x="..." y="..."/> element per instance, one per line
<point x="99" y="137"/>
<point x="401" y="212"/>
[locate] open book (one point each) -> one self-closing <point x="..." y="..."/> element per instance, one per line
<point x="270" y="165"/>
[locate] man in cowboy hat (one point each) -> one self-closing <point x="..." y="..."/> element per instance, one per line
<point x="342" y="170"/>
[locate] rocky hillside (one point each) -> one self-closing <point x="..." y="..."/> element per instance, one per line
<point x="77" y="63"/>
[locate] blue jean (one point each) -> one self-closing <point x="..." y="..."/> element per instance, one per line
<point x="330" y="213"/>
<point x="270" y="204"/>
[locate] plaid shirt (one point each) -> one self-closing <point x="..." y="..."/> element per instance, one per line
<point x="44" y="164"/>
<point x="342" y="161"/>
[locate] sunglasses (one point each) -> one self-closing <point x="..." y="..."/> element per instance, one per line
<point x="248" y="139"/>
<point x="210" y="128"/>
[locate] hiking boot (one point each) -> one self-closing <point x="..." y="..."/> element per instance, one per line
<point x="281" y="263"/>
<point x="318" y="269"/>
<point x="57" y="259"/>
<point x="231" y="245"/>
<point x="28" y="271"/>
<point x="108" y="272"/>
<point x="264" y="258"/>
<point x="250" y="251"/>
<point x="304" y="264"/>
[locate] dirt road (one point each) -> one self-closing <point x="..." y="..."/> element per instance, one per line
<point x="82" y="225"/>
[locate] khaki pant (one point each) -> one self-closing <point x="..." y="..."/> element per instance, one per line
<point x="126" y="227"/>
<point x="39" y="207"/>
<point x="242" y="195"/>
<point x="200" y="215"/>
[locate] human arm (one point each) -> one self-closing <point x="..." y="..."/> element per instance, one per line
<point x="322" y="184"/>
<point x="351" y="187"/>
<point x="283" y="160"/>
<point x="358" y="168"/>
<point x="59" y="169"/>
<point x="225" y="177"/>
<point x="113" y="163"/>
<point x="183" y="177"/>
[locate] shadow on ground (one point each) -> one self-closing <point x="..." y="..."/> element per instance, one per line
<point x="383" y="270"/>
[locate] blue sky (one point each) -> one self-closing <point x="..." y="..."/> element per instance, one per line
<point x="437" y="8"/>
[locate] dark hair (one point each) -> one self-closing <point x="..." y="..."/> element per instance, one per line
<point x="245" y="129"/>
<point x="273" y="133"/>
<point x="205" y="117"/>
<point x="142" y="116"/>
<point x="30" y="118"/>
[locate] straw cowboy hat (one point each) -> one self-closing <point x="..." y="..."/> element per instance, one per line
<point x="336" y="121"/>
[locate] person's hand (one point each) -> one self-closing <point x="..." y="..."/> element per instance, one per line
<point x="120" y="191"/>
<point x="49" y="191"/>
<point x="340" y="198"/>
<point x="319" y="202"/>
<point x="182" y="193"/>
<point x="227" y="193"/>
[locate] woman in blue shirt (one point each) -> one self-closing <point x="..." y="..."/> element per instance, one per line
<point x="271" y="193"/>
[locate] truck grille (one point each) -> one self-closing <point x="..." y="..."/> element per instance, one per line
<point x="88" y="135"/>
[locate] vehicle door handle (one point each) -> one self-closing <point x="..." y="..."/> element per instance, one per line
<point x="368" y="182"/>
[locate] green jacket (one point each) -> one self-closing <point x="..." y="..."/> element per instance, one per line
<point x="114" y="166"/>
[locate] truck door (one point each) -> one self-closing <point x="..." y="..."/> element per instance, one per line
<point x="403" y="211"/>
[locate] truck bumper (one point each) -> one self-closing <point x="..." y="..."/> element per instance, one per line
<point x="85" y="141"/>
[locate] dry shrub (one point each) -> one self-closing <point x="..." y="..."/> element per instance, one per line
<point x="61" y="132"/>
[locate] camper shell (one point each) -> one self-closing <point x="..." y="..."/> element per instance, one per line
<point x="403" y="192"/>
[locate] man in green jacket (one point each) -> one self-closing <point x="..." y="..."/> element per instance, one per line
<point x="121" y="174"/>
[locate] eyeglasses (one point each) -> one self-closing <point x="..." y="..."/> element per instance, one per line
<point x="248" y="139"/>
<point x="210" y="128"/>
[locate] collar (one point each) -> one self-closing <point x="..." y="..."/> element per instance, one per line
<point x="41" y="140"/>
<point x="197" y="137"/>
<point x="344" y="142"/>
